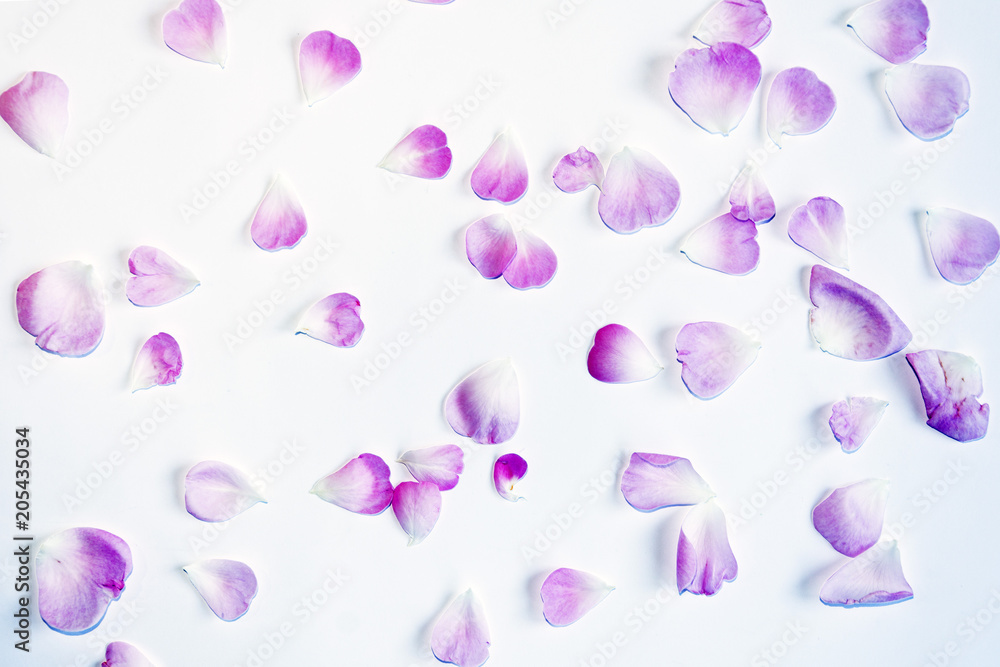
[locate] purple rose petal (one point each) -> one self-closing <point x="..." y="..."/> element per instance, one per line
<point x="361" y="486"/>
<point x="578" y="171"/>
<point x="853" y="420"/>
<point x="569" y="594"/>
<point x="704" y="558"/>
<point x="798" y="103"/>
<point x="714" y="85"/>
<point x="227" y="586"/>
<point x="335" y="320"/>
<point x="894" y="29"/>
<point x="654" y="481"/>
<point x="439" y="465"/>
<point x="534" y="263"/>
<point x="962" y="245"/>
<point x="486" y="405"/>
<point x="62" y="307"/>
<point x="928" y="99"/>
<point x="461" y="636"/>
<point x="744" y="22"/>
<point x="490" y="245"/>
<point x="820" y="226"/>
<point x="874" y="578"/>
<point x="197" y="30"/>
<point x="417" y="506"/>
<point x="619" y="356"/>
<point x="712" y="355"/>
<point x="158" y="363"/>
<point x="502" y="173"/>
<point x="37" y="109"/>
<point x="508" y="470"/>
<point x="851" y="517"/>
<point x="749" y="198"/>
<point x="216" y="491"/>
<point x="156" y="277"/>
<point x="121" y="654"/>
<point x="725" y="244"/>
<point x="327" y="63"/>
<point x="279" y="222"/>
<point x="423" y="153"/>
<point x="950" y="384"/>
<point x="638" y="191"/>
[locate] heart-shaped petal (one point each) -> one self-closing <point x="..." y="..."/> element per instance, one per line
<point x="928" y="99"/>
<point x="820" y="226"/>
<point x="158" y="363"/>
<point x="873" y="579"/>
<point x="962" y="245"/>
<point x="441" y="465"/>
<point x="619" y="356"/>
<point x="568" y="594"/>
<point x="327" y="63"/>
<point x="197" y="30"/>
<point x="744" y="22"/>
<point x="851" y="517"/>
<point x="227" y="586"/>
<point x="417" y="506"/>
<point x="534" y="263"/>
<point x="216" y="491"/>
<point x="486" y="405"/>
<point x="638" y="191"/>
<point x="361" y="486"/>
<point x="335" y="319"/>
<point x="37" y="109"/>
<point x="122" y="654"/>
<point x="798" y="103"/>
<point x="423" y="153"/>
<point x="725" y="244"/>
<point x="156" y="278"/>
<point x="461" y="636"/>
<point x="894" y="29"/>
<point x="714" y="85"/>
<point x="712" y="356"/>
<point x="654" y="481"/>
<point x="62" y="307"/>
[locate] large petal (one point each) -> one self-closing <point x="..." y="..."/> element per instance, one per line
<point x="37" y="109"/>
<point x="423" y="153"/>
<point x="62" y="307"/>
<point x="508" y="470"/>
<point x="928" y="98"/>
<point x="725" y="244"/>
<point x="326" y="64"/>
<point x="216" y="491"/>
<point x="486" y="405"/>
<point x="704" y="558"/>
<point x="654" y="481"/>
<point x="744" y="22"/>
<point x="798" y="103"/>
<point x="534" y="263"/>
<point x="950" y="384"/>
<point x="156" y="277"/>
<point x="820" y="226"/>
<point x="853" y="420"/>
<point x="714" y="85"/>
<point x="440" y="465"/>
<point x="851" y="517"/>
<point x="122" y="654"/>
<point x="712" y="356"/>
<point x="158" y="363"/>
<point x="502" y="173"/>
<point x="569" y="594"/>
<point x="578" y="170"/>
<point x="872" y="579"/>
<point x="619" y="356"/>
<point x="638" y="191"/>
<point x="749" y="198"/>
<point x="490" y="244"/>
<point x="894" y="29"/>
<point x="228" y="586"/>
<point x="80" y="572"/>
<point x="461" y="636"/>
<point x="962" y="245"/>
<point x="361" y="486"/>
<point x="279" y="221"/>
<point x="417" y="506"/>
<point x="335" y="319"/>
<point x="197" y="30"/>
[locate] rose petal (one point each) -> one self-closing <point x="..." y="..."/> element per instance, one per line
<point x="872" y="579"/>
<point x="725" y="244"/>
<point x="853" y="420"/>
<point x="423" y="153"/>
<point x="962" y="245"/>
<point x="197" y="30"/>
<point x="851" y="517"/>
<point x="578" y="171"/>
<point x="37" y="109"/>
<point x="227" y="586"/>
<point x="534" y="263"/>
<point x="361" y="486"/>
<point x="744" y="22"/>
<point x="440" y="465"/>
<point x="156" y="277"/>
<point x="654" y="481"/>
<point x="569" y="594"/>
<point x="820" y="226"/>
<point x="502" y="173"/>
<point x="335" y="320"/>
<point x="798" y="103"/>
<point x="950" y="383"/>
<point x="279" y="222"/>
<point x="712" y="355"/>
<point x="704" y="558"/>
<point x="486" y="405"/>
<point x="508" y="470"/>
<point x="417" y="506"/>
<point x="326" y="64"/>
<point x="894" y="29"/>
<point x="158" y="363"/>
<point x="461" y="636"/>
<point x="62" y="306"/>
<point x="850" y="321"/>
<point x="81" y="571"/>
<point x="714" y="85"/>
<point x="216" y="491"/>
<point x="618" y="356"/>
<point x="121" y="654"/>
<point x="927" y="98"/>
<point x="638" y="191"/>
<point x="749" y="198"/>
<point x="490" y="244"/>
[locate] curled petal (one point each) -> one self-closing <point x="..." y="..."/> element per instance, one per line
<point x="654" y="481"/>
<point x="534" y="263"/>
<point x="508" y="470"/>
<point x="490" y="244"/>
<point x="361" y="486"/>
<point x="894" y="29"/>
<point x="638" y="191"/>
<point x="725" y="244"/>
<point x="159" y="363"/>
<point x="335" y="320"/>
<point x="850" y="321"/>
<point x="461" y="636"/>
<point x="326" y="64"/>
<point x="417" y="506"/>
<point x="618" y="356"/>
<point x="874" y="578"/>
<point x="279" y="221"/>
<point x="502" y="173"/>
<point x="216" y="491"/>
<point x="950" y="384"/>
<point x="156" y="277"/>
<point x="928" y="99"/>
<point x="820" y="227"/>
<point x="61" y="306"/>
<point x="569" y="594"/>
<point x="704" y="557"/>
<point x="440" y="465"/>
<point x="423" y="153"/>
<point x="962" y="245"/>
<point x="853" y="420"/>
<point x="798" y="103"/>
<point x="714" y="85"/>
<point x="197" y="30"/>
<point x="37" y="109"/>
<point x="712" y="355"/>
<point x="81" y="571"/>
<point x="122" y="654"/>
<point x="227" y="586"/>
<point x="486" y="405"/>
<point x="578" y="171"/>
<point x="744" y="22"/>
<point x="749" y="198"/>
<point x="851" y="517"/>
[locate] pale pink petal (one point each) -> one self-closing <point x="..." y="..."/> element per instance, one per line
<point x="798" y="103"/>
<point x="928" y="99"/>
<point x="335" y="319"/>
<point x="577" y="171"/>
<point x="197" y="30"/>
<point x="37" y="109"/>
<point x="490" y="244"/>
<point x="851" y="517"/>
<point x="417" y="506"/>
<point x="62" y="307"/>
<point x="962" y="245"/>
<point x="534" y="263"/>
<point x="156" y="277"/>
<point x="121" y="654"/>
<point x="326" y="64"/>
<point x="619" y="356"/>
<point x="725" y="244"/>
<point x="227" y="586"/>
<point x="654" y="481"/>
<point x="216" y="491"/>
<point x="486" y="405"/>
<point x="441" y="465"/>
<point x="950" y="384"/>
<point x="638" y="191"/>
<point x="853" y="420"/>
<point x="894" y="29"/>
<point x="80" y="572"/>
<point x="279" y="222"/>
<point x="461" y="636"/>
<point x="744" y="22"/>
<point x="361" y="486"/>
<point x="850" y="321"/>
<point x="712" y="355"/>
<point x="502" y="173"/>
<point x="569" y="594"/>
<point x="158" y="363"/>
<point x="704" y="558"/>
<point x="820" y="226"/>
<point x="508" y="470"/>
<point x="423" y="153"/>
<point x="749" y="198"/>
<point x="874" y="578"/>
<point x="714" y="85"/>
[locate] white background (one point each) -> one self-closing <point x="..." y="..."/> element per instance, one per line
<point x="559" y="84"/>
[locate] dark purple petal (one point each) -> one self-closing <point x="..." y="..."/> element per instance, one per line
<point x="894" y="29"/>
<point x="569" y="594"/>
<point x="714" y="85"/>
<point x="638" y="191"/>
<point x="361" y="486"/>
<point x="578" y="171"/>
<point x="508" y="470"/>
<point x="873" y="579"/>
<point x="725" y="244"/>
<point x="962" y="245"/>
<point x="950" y="384"/>
<point x="851" y="517"/>
<point x="619" y="356"/>
<point x="928" y="98"/>
<point x="798" y="103"/>
<point x="654" y="481"/>
<point x="712" y="355"/>
<point x="704" y="558"/>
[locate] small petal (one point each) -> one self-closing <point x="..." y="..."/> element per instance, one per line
<point x="894" y="29"/>
<point x="850" y="321"/>
<point x="851" y="517"/>
<point x="749" y="198"/>
<point x="744" y="22"/>
<point x="502" y="173"/>
<point x="197" y="30"/>
<point x="440" y="465"/>
<point x="37" y="109"/>
<point x="950" y="384"/>
<point x="712" y="356"/>
<point x="486" y="405"/>
<point x="638" y="191"/>
<point x="461" y="636"/>
<point x="122" y="654"/>
<point x="853" y="420"/>
<point x="534" y="263"/>
<point x="156" y="277"/>
<point x="216" y="491"/>
<point x="228" y="586"/>
<point x="81" y="571"/>
<point x="872" y="579"/>
<point x="725" y="244"/>
<point x="279" y="222"/>
<point x="158" y="363"/>
<point x="490" y="244"/>
<point x="962" y="245"/>
<point x="423" y="153"/>
<point x="578" y="171"/>
<point x="654" y="481"/>
<point x="704" y="557"/>
<point x="417" y="506"/>
<point x="618" y="356"/>
<point x="326" y="64"/>
<point x="508" y="470"/>
<point x="62" y="307"/>
<point x="927" y="98"/>
<point x="820" y="227"/>
<point x="361" y="486"/>
<point x="714" y="85"/>
<point x="798" y="103"/>
<point x="335" y="320"/>
<point x="569" y="594"/>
